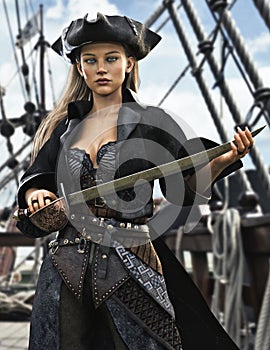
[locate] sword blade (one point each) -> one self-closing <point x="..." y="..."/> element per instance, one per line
<point x="180" y="165"/>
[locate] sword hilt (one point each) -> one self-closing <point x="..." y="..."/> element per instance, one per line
<point x="21" y="214"/>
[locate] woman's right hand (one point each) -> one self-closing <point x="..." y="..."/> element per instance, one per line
<point x="38" y="198"/>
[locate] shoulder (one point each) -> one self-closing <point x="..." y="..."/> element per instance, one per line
<point x="156" y="113"/>
<point x="165" y="121"/>
<point x="60" y="127"/>
<point x="158" y="117"/>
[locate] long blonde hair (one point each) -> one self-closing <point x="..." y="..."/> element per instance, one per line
<point x="76" y="89"/>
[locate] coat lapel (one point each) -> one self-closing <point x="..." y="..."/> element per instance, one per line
<point x="128" y="119"/>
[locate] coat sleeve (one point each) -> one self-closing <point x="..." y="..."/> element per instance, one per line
<point x="174" y="187"/>
<point x="41" y="173"/>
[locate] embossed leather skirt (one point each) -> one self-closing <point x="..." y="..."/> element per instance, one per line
<point x="113" y="297"/>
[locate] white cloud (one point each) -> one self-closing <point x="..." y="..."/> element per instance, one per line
<point x="79" y="8"/>
<point x="260" y="44"/>
<point x="57" y="11"/>
<point x="158" y="70"/>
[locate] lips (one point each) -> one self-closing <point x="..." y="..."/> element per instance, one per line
<point x="102" y="81"/>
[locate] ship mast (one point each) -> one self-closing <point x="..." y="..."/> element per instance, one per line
<point x="42" y="44"/>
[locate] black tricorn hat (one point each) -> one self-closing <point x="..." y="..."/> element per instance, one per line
<point x="122" y="29"/>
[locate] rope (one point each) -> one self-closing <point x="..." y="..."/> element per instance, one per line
<point x="50" y="77"/>
<point x="263" y="7"/>
<point x="228" y="266"/>
<point x="198" y="29"/>
<point x="36" y="266"/>
<point x="16" y="303"/>
<point x="197" y="72"/>
<point x="181" y="75"/>
<point x="242" y="50"/>
<point x="262" y="340"/>
<point x="178" y="241"/>
<point x="13" y="174"/>
<point x="152" y="19"/>
<point x="37" y="97"/>
<point x="39" y="243"/>
<point x="254" y="153"/>
<point x="25" y="69"/>
<point x="13" y="45"/>
<point x="230" y="47"/>
<point x="213" y="36"/>
<point x="29" y="142"/>
<point x="7" y="130"/>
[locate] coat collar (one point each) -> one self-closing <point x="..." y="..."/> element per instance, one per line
<point x="79" y="109"/>
<point x="128" y="119"/>
<point x="129" y="114"/>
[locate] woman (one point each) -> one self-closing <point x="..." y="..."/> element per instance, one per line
<point x="105" y="284"/>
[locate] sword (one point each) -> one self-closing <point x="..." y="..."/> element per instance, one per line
<point x="54" y="215"/>
<point x="154" y="173"/>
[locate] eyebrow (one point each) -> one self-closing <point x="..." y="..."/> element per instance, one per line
<point x="107" y="53"/>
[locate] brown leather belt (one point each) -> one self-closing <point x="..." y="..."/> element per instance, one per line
<point x="101" y="231"/>
<point x="106" y="212"/>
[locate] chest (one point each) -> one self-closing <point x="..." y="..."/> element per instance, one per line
<point x="95" y="132"/>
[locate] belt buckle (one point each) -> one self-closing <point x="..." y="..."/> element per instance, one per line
<point x="53" y="246"/>
<point x="100" y="202"/>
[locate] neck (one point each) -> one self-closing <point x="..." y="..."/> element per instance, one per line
<point x="101" y="102"/>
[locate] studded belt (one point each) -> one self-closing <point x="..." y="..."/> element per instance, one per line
<point x="101" y="231"/>
<point x="105" y="212"/>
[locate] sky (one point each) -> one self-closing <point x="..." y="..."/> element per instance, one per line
<point x="157" y="71"/>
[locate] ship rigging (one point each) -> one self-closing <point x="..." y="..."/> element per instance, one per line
<point x="239" y="214"/>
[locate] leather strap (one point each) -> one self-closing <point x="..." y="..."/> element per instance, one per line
<point x="106" y="212"/>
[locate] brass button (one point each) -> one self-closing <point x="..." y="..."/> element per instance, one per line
<point x="104" y="256"/>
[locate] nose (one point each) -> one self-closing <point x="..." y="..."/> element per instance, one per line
<point x="101" y="67"/>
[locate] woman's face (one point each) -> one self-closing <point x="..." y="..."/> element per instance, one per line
<point x="103" y="67"/>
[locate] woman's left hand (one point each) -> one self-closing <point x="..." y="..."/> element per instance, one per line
<point x="243" y="143"/>
<point x="239" y="148"/>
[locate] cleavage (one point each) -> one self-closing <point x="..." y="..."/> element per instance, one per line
<point x="99" y="154"/>
<point x="94" y="135"/>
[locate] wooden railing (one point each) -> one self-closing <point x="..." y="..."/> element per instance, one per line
<point x="255" y="232"/>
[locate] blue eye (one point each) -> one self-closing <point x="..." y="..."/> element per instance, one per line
<point x="90" y="60"/>
<point x="112" y="59"/>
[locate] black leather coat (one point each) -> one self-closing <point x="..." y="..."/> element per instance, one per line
<point x="142" y="124"/>
<point x="146" y="136"/>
